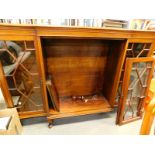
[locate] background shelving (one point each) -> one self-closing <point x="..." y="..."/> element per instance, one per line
<point x="141" y="24"/>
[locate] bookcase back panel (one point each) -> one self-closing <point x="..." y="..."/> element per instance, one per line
<point x="75" y="47"/>
<point x="76" y="66"/>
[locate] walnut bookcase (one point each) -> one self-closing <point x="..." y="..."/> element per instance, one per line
<point x="83" y="66"/>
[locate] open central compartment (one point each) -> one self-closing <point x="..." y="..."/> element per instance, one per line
<point x="80" y="73"/>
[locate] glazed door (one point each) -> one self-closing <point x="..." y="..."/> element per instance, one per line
<point x="137" y="76"/>
<point x="136" y="48"/>
<point x="20" y="77"/>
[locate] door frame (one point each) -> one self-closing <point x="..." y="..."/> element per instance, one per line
<point x="125" y="85"/>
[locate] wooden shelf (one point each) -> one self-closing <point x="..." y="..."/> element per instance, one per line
<point x="68" y="107"/>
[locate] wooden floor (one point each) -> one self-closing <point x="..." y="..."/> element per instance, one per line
<point x="68" y="107"/>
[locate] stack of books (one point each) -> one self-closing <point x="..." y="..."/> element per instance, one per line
<point x="110" y="23"/>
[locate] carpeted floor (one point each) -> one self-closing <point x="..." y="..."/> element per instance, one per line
<point x="99" y="124"/>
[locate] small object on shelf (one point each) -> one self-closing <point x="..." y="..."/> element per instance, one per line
<point x="76" y="98"/>
<point x="86" y="100"/>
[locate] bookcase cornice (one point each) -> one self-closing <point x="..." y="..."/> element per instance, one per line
<point x="87" y="32"/>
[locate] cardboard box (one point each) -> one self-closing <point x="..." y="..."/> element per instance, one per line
<point x="10" y="124"/>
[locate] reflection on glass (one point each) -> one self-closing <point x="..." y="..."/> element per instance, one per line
<point x="20" y="68"/>
<point x="138" y="49"/>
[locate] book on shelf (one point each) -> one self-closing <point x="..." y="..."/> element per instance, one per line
<point x="3" y="20"/>
<point x="85" y="22"/>
<point x="8" y="21"/>
<point x="34" y="21"/>
<point x="139" y="24"/>
<point x="56" y="22"/>
<point x="64" y="22"/>
<point x="72" y="22"/>
<point x="39" y="21"/>
<point x="97" y="22"/>
<point x="28" y="21"/>
<point x="150" y="25"/>
<point x="80" y="22"/>
<point x="111" y="23"/>
<point x="15" y="21"/>
<point x="146" y="24"/>
<point x="23" y="21"/>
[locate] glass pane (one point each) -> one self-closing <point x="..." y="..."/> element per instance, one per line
<point x="138" y="49"/>
<point x="130" y="45"/>
<point x="148" y="46"/>
<point x="131" y="108"/>
<point x="19" y="63"/>
<point x="137" y="89"/>
<point x="144" y="78"/>
<point x="133" y="79"/>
